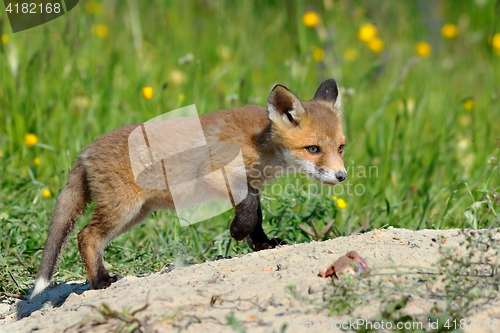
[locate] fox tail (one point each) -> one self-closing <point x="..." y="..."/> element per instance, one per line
<point x="71" y="204"/>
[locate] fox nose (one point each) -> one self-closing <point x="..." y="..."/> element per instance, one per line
<point x="341" y="176"/>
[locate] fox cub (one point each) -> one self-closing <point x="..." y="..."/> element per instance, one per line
<point x="305" y="136"/>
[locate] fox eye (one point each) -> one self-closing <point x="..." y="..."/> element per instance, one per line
<point x="341" y="149"/>
<point x="313" y="149"/>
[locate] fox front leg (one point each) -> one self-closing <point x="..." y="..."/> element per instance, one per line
<point x="247" y="223"/>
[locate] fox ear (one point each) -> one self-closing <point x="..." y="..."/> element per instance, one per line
<point x="283" y="106"/>
<point x="329" y="91"/>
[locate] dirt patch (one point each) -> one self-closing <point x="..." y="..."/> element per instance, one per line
<point x="252" y="292"/>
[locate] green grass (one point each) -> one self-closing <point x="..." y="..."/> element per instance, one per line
<point x="404" y="115"/>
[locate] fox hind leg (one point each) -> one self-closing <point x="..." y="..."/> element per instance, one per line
<point x="93" y="239"/>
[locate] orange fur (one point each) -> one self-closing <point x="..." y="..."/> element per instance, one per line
<point x="271" y="139"/>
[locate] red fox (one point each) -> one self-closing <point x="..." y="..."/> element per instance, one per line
<point x="305" y="136"/>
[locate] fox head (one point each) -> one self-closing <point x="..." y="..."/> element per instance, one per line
<point x="310" y="132"/>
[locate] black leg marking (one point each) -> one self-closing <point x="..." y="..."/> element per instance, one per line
<point x="247" y="223"/>
<point x="247" y="215"/>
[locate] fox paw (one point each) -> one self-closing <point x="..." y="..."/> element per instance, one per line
<point x="103" y="283"/>
<point x="271" y="244"/>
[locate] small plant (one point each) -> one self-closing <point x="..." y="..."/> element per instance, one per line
<point x="471" y="280"/>
<point x="123" y="321"/>
<point x="313" y="214"/>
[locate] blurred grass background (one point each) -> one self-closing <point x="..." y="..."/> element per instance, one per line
<point x="420" y="83"/>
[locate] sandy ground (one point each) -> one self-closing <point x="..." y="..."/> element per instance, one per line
<point x="250" y="290"/>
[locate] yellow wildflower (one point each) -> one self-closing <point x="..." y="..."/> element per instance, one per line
<point x="341" y="204"/>
<point x="37" y="161"/>
<point x="350" y="54"/>
<point x="46" y="193"/>
<point x="495" y="41"/>
<point x="30" y="139"/>
<point x="449" y="31"/>
<point x="468" y="103"/>
<point x="464" y="144"/>
<point x="93" y="7"/>
<point x="5" y="39"/>
<point x="310" y="19"/>
<point x="465" y="121"/>
<point x="223" y="51"/>
<point x="147" y="92"/>
<point x="423" y="49"/>
<point x="318" y="54"/>
<point x="367" y="32"/>
<point x="100" y="30"/>
<point x="1" y="153"/>
<point x="177" y="77"/>
<point x="376" y="44"/>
